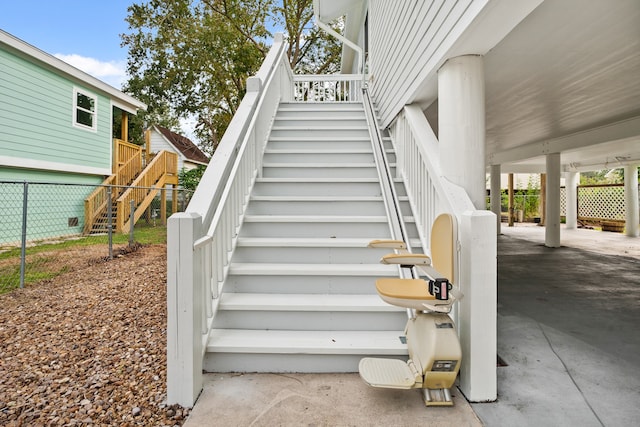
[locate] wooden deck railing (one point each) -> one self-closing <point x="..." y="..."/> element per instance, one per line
<point x="123" y="152"/>
<point x="162" y="170"/>
<point x="128" y="170"/>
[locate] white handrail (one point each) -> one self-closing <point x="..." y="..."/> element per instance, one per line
<point x="200" y="240"/>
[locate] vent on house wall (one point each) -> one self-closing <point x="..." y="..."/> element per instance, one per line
<point x="73" y="222"/>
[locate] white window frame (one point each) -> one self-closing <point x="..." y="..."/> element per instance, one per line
<point x="94" y="113"/>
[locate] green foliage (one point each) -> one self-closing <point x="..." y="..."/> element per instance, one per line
<point x="191" y="58"/>
<point x="605" y="176"/>
<point x="189" y="179"/>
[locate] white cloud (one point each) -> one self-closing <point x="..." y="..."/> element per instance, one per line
<point x="110" y="72"/>
<point x="188" y="127"/>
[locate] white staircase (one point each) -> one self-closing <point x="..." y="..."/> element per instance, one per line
<point x="300" y="294"/>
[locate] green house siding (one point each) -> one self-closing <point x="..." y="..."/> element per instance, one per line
<point x="51" y="207"/>
<point x="37" y="113"/>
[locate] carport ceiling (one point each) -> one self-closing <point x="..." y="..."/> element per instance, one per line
<point x="569" y="71"/>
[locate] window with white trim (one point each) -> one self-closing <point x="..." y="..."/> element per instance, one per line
<point x="85" y="108"/>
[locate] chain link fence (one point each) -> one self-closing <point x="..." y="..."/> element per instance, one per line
<point x="44" y="226"/>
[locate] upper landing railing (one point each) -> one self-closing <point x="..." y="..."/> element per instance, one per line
<point x="327" y="88"/>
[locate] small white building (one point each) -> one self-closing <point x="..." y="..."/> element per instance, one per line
<point x="189" y="155"/>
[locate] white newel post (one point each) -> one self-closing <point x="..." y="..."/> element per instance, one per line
<point x="571" y="180"/>
<point x="552" y="205"/>
<point x="631" y="200"/>
<point x="478" y="308"/>
<point x="461" y="125"/>
<point x="184" y="311"/>
<point x="496" y="196"/>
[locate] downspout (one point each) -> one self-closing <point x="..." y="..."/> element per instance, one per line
<point x="344" y="40"/>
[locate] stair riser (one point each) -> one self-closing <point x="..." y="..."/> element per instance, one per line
<point x="321" y="114"/>
<point x="317" y="189"/>
<point x="309" y="171"/>
<point x="378" y="230"/>
<point x="321" y="131"/>
<point x="291" y="207"/>
<point x="303" y="188"/>
<point x="324" y="143"/>
<point x="302" y="157"/>
<point x="336" y="120"/>
<point x="312" y="106"/>
<point x="306" y="254"/>
<point x="311" y="321"/>
<point x="310" y="363"/>
<point x="359" y="285"/>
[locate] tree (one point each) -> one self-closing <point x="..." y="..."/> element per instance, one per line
<point x="189" y="179"/>
<point x="192" y="57"/>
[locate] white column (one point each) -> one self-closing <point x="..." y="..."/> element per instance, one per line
<point x="552" y="205"/>
<point x="478" y="314"/>
<point x="496" y="195"/>
<point x="631" y="200"/>
<point x="571" y="180"/>
<point x="461" y="125"/>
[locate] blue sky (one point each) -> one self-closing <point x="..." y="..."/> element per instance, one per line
<point x="85" y="33"/>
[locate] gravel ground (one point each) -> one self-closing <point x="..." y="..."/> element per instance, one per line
<point x="88" y="347"/>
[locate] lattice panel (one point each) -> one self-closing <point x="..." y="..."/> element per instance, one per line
<point x="603" y="202"/>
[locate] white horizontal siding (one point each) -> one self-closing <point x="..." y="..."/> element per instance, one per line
<point x="36" y="118"/>
<point x="404" y="38"/>
<point x="159" y="143"/>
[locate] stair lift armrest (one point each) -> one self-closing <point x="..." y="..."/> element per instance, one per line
<point x="429" y="271"/>
<point x="391" y="244"/>
<point x="445" y="307"/>
<point x="407" y="259"/>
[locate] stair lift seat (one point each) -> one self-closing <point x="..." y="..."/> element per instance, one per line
<point x="409" y="293"/>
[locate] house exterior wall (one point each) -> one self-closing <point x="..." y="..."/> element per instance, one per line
<point x="159" y="143"/>
<point x="406" y="39"/>
<point x="49" y="205"/>
<point x="36" y="121"/>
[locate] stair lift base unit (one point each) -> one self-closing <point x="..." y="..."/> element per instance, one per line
<point x="434" y="360"/>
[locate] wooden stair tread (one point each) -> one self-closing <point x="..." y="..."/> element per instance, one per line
<point x="304" y="242"/>
<point x="264" y="269"/>
<point x="301" y="342"/>
<point x="320" y="218"/>
<point x="304" y="302"/>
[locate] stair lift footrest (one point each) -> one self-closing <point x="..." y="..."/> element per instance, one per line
<point x="388" y="373"/>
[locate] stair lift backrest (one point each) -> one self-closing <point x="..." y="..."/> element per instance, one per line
<point x="443" y="240"/>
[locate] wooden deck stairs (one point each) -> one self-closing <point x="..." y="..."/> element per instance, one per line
<point x="132" y="180"/>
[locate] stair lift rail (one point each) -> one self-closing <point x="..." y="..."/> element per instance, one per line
<point x="389" y="195"/>
<point x="434" y="349"/>
<point x="392" y="205"/>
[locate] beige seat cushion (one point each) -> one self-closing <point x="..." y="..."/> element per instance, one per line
<point x="412" y="289"/>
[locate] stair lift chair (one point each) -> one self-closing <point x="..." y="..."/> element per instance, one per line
<point x="431" y="337"/>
